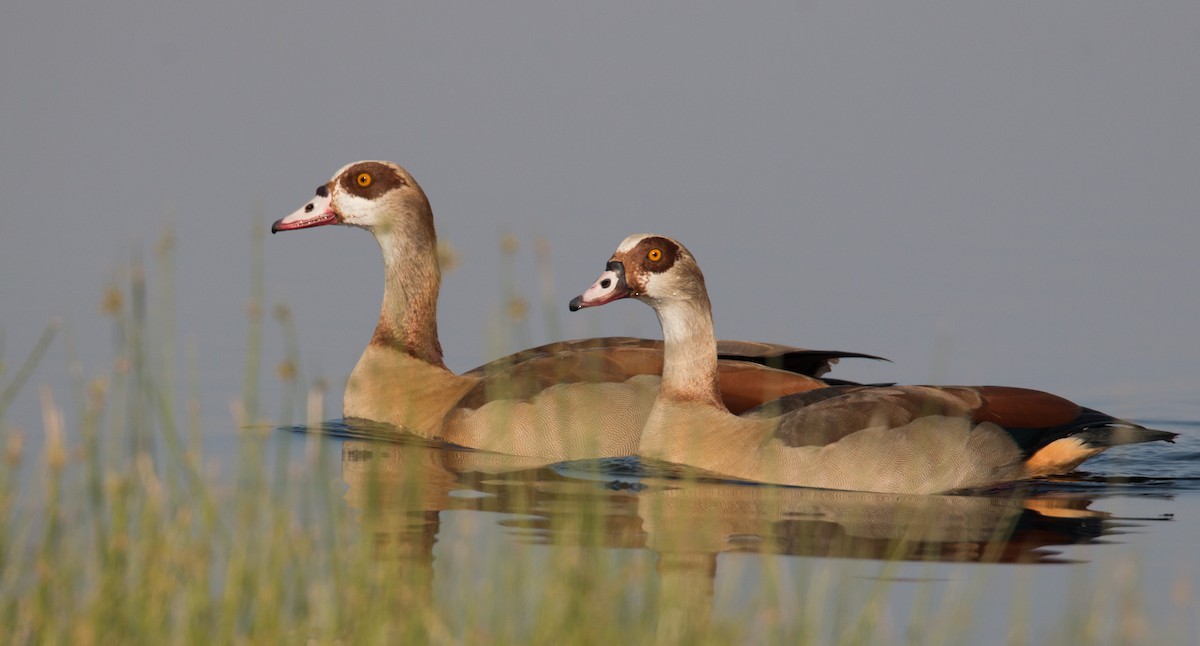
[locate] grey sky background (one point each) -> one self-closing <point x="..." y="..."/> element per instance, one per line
<point x="982" y="192"/>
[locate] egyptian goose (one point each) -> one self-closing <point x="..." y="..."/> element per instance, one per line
<point x="567" y="400"/>
<point x="898" y="439"/>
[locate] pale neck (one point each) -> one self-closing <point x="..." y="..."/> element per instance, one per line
<point x="690" y="357"/>
<point x="412" y="278"/>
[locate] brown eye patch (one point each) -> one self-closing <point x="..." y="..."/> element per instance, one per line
<point x="656" y="254"/>
<point x="370" y="179"/>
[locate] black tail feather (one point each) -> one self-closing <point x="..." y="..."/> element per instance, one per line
<point x="806" y="362"/>
<point x="1093" y="428"/>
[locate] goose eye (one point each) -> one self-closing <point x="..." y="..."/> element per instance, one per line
<point x="655" y="255"/>
<point x="363" y="179"/>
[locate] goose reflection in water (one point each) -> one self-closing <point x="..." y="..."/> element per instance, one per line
<point x="1015" y="525"/>
<point x="403" y="488"/>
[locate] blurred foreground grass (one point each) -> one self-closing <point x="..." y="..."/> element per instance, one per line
<point x="118" y="532"/>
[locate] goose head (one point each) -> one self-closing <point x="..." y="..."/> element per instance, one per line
<point x="384" y="199"/>
<point x="654" y="269"/>
<point x="378" y="196"/>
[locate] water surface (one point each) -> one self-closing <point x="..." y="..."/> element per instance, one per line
<point x="1104" y="551"/>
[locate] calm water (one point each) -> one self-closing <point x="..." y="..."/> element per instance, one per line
<point x="1074" y="556"/>
<point x="1054" y="558"/>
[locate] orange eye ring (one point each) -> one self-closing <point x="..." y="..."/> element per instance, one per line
<point x="363" y="179"/>
<point x="655" y="255"/>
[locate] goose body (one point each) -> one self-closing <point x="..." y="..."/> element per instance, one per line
<point x="899" y="439"/>
<point x="567" y="400"/>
